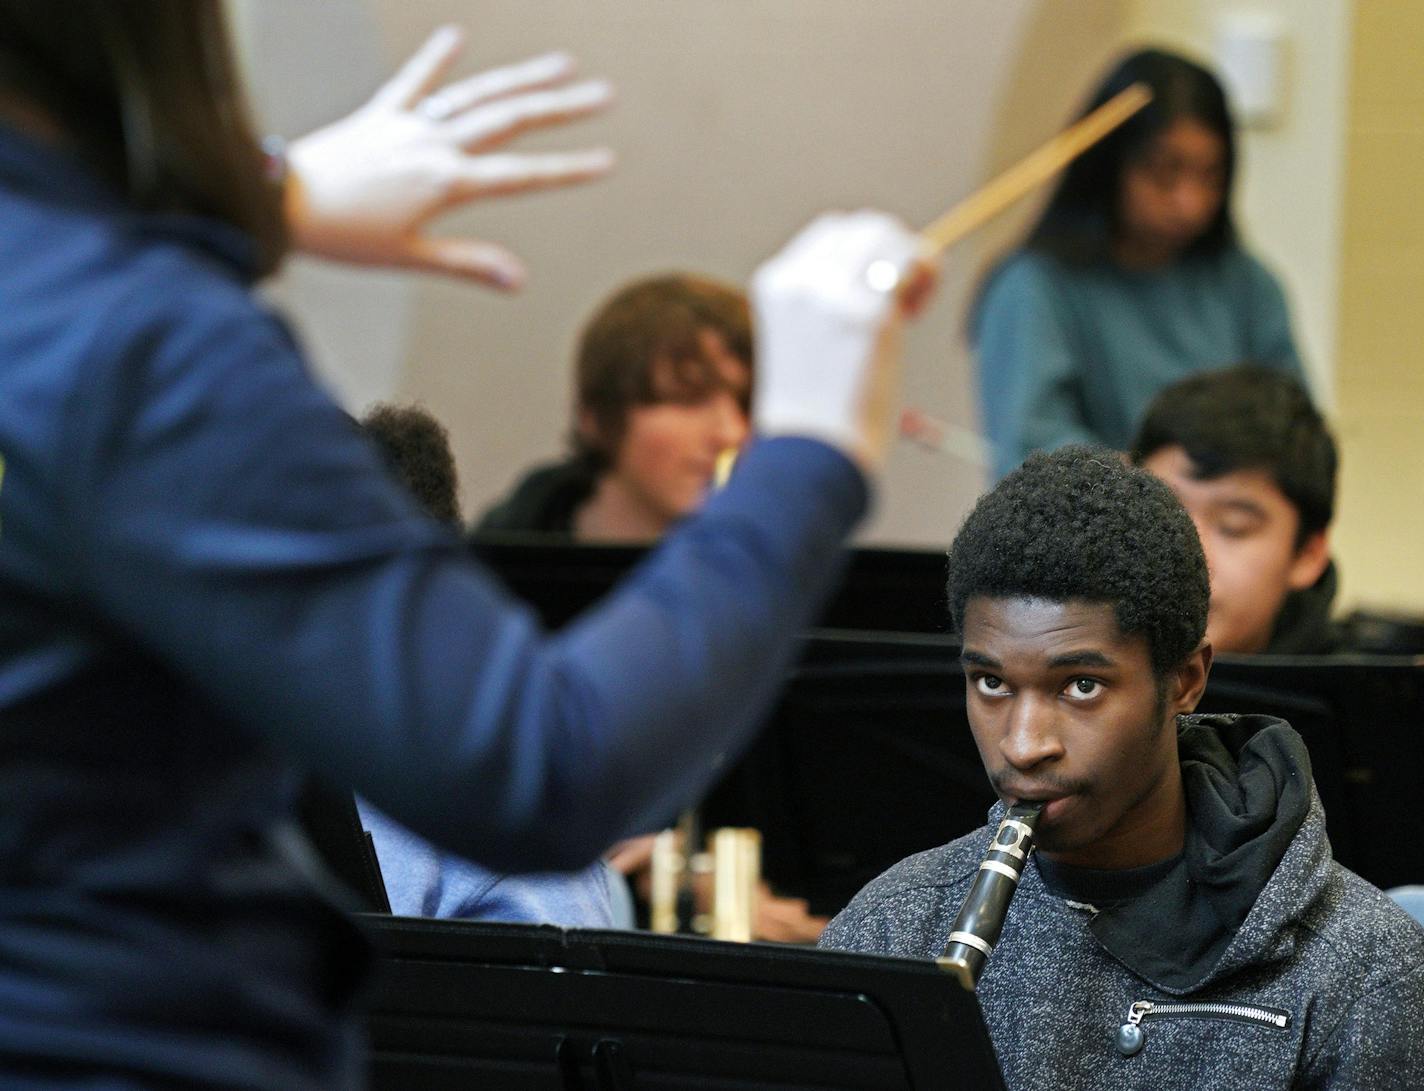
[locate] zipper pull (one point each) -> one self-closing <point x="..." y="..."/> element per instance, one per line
<point x="1130" y="1036"/>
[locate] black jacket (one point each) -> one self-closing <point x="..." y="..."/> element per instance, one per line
<point x="545" y="500"/>
<point x="1303" y="627"/>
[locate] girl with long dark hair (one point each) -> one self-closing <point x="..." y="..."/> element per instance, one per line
<point x="1132" y="277"/>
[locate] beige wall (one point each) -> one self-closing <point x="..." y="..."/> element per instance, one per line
<point x="737" y="121"/>
<point x="1380" y="390"/>
<point x="310" y="62"/>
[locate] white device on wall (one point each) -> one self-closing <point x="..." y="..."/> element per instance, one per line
<point x="1249" y="49"/>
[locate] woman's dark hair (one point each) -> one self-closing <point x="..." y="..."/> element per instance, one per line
<point x="645" y="345"/>
<point x="149" y="92"/>
<point x="1081" y="218"/>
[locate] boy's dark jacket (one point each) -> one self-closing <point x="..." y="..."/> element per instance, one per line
<point x="1256" y="913"/>
<point x="1303" y="627"/>
<point x="544" y="500"/>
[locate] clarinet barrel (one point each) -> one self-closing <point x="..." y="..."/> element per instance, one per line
<point x="981" y="918"/>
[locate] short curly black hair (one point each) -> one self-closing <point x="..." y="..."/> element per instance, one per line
<point x="416" y="448"/>
<point x="1080" y="523"/>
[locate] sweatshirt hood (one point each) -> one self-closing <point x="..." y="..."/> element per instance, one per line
<point x="1255" y="856"/>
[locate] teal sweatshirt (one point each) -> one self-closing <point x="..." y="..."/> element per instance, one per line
<point x="1070" y="354"/>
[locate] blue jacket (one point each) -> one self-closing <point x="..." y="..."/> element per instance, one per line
<point x="206" y="578"/>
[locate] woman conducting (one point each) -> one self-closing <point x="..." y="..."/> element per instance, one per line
<point x="1132" y="277"/>
<point x="208" y="581"/>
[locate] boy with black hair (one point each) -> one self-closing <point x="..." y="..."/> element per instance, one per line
<point x="1182" y="922"/>
<point x="1250" y="458"/>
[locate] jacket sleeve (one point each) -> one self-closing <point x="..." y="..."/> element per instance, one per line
<point x="1030" y="388"/>
<point x="232" y="522"/>
<point x="891" y="917"/>
<point x="858" y="927"/>
<point x="1377" y="1044"/>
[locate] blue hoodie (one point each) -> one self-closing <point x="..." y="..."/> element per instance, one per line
<point x="206" y="579"/>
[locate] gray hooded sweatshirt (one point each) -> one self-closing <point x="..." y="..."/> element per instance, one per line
<point x="1255" y="961"/>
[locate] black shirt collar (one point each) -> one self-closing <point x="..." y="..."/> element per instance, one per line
<point x="1099" y="887"/>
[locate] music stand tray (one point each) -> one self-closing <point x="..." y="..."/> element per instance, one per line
<point x="465" y="1004"/>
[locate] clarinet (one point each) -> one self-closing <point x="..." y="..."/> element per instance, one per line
<point x="981" y="918"/>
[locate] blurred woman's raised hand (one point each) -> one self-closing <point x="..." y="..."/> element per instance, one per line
<point x="365" y="189"/>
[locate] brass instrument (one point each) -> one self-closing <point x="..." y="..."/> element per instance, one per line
<point x="711" y="892"/>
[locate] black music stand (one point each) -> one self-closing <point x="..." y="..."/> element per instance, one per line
<point x="895" y="590"/>
<point x="1363" y="719"/>
<point x="458" y="1004"/>
<point x="868" y="758"/>
<point x="333" y="826"/>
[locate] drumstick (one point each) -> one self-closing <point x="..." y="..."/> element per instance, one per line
<point x="973" y="212"/>
<point x="980" y="207"/>
<point x="943" y="438"/>
<point x="1033" y="170"/>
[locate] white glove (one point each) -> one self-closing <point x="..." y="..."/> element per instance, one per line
<point x="363" y="189"/>
<point x="827" y="315"/>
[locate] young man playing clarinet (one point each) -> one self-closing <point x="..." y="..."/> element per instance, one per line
<point x="1181" y="923"/>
